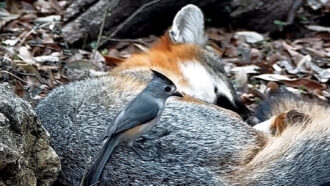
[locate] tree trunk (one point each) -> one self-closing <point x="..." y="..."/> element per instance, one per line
<point x="139" y="18"/>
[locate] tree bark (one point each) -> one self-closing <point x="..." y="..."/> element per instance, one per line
<point x="138" y="18"/>
<point x="26" y="158"/>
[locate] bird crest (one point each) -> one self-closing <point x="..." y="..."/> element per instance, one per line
<point x="161" y="76"/>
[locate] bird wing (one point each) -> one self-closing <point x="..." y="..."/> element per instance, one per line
<point x="139" y="111"/>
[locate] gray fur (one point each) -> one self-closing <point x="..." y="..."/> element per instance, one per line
<point x="188" y="154"/>
<point x="193" y="143"/>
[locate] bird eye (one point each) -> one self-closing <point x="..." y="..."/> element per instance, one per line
<point x="167" y="89"/>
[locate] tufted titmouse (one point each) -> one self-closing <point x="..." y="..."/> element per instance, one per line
<point x="138" y="117"/>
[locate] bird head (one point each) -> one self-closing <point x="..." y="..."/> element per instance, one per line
<point x="161" y="86"/>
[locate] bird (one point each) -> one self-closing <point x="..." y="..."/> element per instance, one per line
<point x="139" y="116"/>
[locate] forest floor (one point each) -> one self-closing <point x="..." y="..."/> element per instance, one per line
<point x="35" y="59"/>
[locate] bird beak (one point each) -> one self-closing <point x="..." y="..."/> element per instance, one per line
<point x="178" y="94"/>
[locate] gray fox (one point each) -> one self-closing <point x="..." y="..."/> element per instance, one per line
<point x="195" y="141"/>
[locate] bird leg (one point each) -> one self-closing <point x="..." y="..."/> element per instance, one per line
<point x="157" y="135"/>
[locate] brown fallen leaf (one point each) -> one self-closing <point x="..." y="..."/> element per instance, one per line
<point x="55" y="4"/>
<point x="296" y="56"/>
<point x="215" y="37"/>
<point x="310" y="85"/>
<point x="272" y="87"/>
<point x="14" y="6"/>
<point x="30" y="69"/>
<point x="316" y="52"/>
<point x="19" y="90"/>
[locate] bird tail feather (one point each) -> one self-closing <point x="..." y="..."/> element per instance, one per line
<point x="94" y="172"/>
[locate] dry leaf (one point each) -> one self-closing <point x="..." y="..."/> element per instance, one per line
<point x="44" y="6"/>
<point x="250" y="37"/>
<point x="55" y="4"/>
<point x="5" y="17"/>
<point x="305" y="83"/>
<point x="82" y="64"/>
<point x="141" y="47"/>
<point x="42" y="59"/>
<point x="323" y="75"/>
<point x="98" y="61"/>
<point x="25" y="55"/>
<point x="288" y="66"/>
<point x="296" y="56"/>
<point x="273" y="77"/>
<point x="249" y="69"/>
<point x="318" y="28"/>
<point x="48" y="19"/>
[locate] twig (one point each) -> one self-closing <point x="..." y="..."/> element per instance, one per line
<point x="100" y="33"/>
<point x="125" y="40"/>
<point x="292" y="13"/>
<point x="132" y="16"/>
<point x="25" y="37"/>
<point x="99" y="37"/>
<point x="24" y="74"/>
<point x="4" y="71"/>
<point x="125" y="22"/>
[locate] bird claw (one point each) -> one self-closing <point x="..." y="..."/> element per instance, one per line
<point x="144" y="139"/>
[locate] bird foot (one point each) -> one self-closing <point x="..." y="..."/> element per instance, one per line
<point x="157" y="135"/>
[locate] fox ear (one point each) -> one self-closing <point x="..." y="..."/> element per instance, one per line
<point x="188" y="26"/>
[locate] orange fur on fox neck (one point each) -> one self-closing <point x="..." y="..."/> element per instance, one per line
<point x="164" y="56"/>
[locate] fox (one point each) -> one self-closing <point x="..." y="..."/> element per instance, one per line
<point x="182" y="54"/>
<point x="200" y="139"/>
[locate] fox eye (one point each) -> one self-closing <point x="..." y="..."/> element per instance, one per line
<point x="215" y="89"/>
<point x="167" y="89"/>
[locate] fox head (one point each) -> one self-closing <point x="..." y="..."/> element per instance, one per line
<point x="195" y="68"/>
